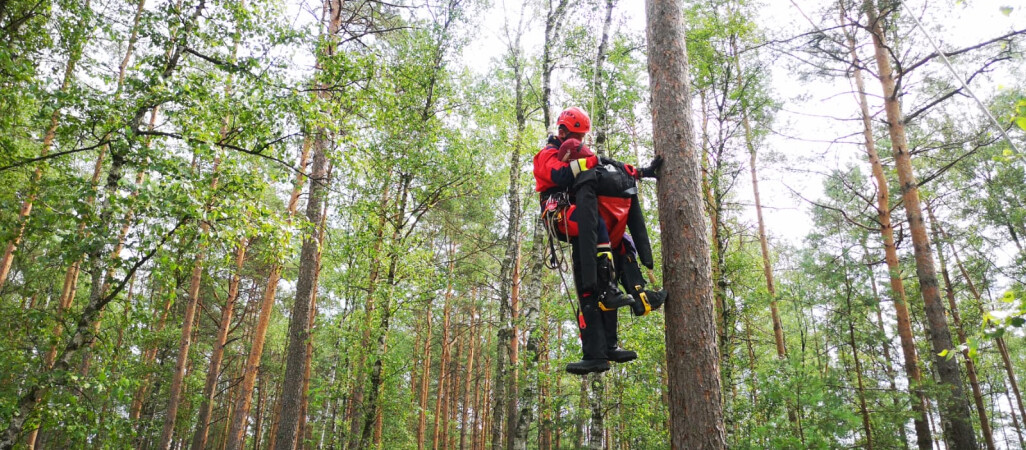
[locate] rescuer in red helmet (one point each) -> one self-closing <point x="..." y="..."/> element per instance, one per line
<point x="590" y="202"/>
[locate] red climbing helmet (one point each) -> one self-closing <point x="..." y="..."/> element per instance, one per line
<point x="575" y="120"/>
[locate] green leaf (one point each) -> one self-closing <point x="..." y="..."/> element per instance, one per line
<point x="1021" y="122"/>
<point x="943" y="353"/>
<point x="1017" y="321"/>
<point x="1009" y="296"/>
<point x="994" y="332"/>
<point x="1006" y="10"/>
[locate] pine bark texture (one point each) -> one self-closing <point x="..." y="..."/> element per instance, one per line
<point x="299" y="324"/>
<point x="199" y="438"/>
<point x="908" y="345"/>
<point x="953" y="407"/>
<point x="956" y="317"/>
<point x="696" y="414"/>
<point x="240" y="416"/>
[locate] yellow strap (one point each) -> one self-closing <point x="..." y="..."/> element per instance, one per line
<point x="579" y="165"/>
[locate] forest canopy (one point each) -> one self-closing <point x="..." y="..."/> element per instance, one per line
<point x="313" y="224"/>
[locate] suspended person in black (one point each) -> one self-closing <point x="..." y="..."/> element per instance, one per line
<point x="591" y="202"/>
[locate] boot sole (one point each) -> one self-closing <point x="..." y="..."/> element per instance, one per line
<point x="623" y="360"/>
<point x="598" y="369"/>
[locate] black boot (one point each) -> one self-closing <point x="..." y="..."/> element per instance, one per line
<point x="621" y="356"/>
<point x="593" y="340"/>
<point x="587" y="366"/>
<point x="656" y="298"/>
<point x="650" y="301"/>
<point x="610" y="297"/>
<point x="614" y="299"/>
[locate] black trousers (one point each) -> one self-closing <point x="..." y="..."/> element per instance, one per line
<point x="598" y="328"/>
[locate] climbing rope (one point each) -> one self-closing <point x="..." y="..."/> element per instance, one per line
<point x="557" y="260"/>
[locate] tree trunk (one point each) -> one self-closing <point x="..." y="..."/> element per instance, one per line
<point x="82" y="337"/>
<point x="443" y="362"/>
<point x="897" y="284"/>
<point x="178" y="378"/>
<point x="240" y="419"/>
<point x="504" y="379"/>
<point x="199" y="438"/>
<point x="425" y="377"/>
<point x="1015" y="420"/>
<point x="553" y="25"/>
<point x="885" y="345"/>
<point x="861" y="389"/>
<point x="595" y="391"/>
<point x="528" y="395"/>
<point x="970" y="367"/>
<point x="72" y="274"/>
<point x="304" y="432"/>
<point x="1000" y="341"/>
<point x="371" y="407"/>
<point x="470" y="374"/>
<point x="767" y="266"/>
<point x="598" y="95"/>
<point x="953" y="408"/>
<point x="692" y="356"/>
<point x="296" y="355"/>
<point x="713" y="208"/>
<point x="356" y="405"/>
<point x="48" y="137"/>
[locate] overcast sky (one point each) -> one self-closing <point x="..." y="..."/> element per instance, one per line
<point x="802" y="133"/>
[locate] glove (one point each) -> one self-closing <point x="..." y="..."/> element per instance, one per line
<point x="652" y="170"/>
<point x="633" y="172"/>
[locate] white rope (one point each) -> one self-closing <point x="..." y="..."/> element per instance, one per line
<point x="965" y="85"/>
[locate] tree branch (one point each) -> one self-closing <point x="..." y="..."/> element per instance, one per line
<point x="1006" y="37"/>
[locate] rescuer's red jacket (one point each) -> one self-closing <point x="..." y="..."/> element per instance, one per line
<point x="553" y="176"/>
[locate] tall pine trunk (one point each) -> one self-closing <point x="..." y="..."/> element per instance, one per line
<point x="885" y="343"/>
<point x="240" y="416"/>
<point x="767" y="266"/>
<point x="897" y="284"/>
<point x="970" y="366"/>
<point x="199" y="438"/>
<point x="1000" y="341"/>
<point x="443" y="362"/>
<point x="299" y="324"/>
<point x="692" y="357"/>
<point x="80" y="36"/>
<point x="178" y="377"/>
<point x="425" y="377"/>
<point x="952" y="405"/>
